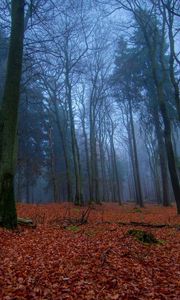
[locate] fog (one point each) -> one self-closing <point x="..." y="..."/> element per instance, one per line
<point x="99" y="108"/>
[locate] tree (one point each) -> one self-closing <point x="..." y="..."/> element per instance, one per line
<point x="9" y="116"/>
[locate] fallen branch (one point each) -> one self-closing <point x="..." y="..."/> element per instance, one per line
<point x="104" y="255"/>
<point x="85" y="216"/>
<point x="74" y="221"/>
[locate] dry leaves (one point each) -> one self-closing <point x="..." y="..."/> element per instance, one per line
<point x="98" y="261"/>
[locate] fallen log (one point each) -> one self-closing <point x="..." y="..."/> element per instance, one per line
<point x="28" y="222"/>
<point x="23" y="222"/>
<point x="132" y="223"/>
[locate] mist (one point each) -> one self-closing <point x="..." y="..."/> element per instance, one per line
<point x="97" y="109"/>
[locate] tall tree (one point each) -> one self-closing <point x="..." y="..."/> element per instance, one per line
<point x="9" y="116"/>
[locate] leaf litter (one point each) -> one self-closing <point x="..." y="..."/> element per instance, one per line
<point x="97" y="260"/>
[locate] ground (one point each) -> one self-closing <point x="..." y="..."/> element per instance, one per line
<point x="97" y="260"/>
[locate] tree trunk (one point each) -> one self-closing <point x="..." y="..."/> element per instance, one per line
<point x="169" y="149"/>
<point x="27" y="181"/>
<point x="131" y="154"/>
<point x="10" y="116"/>
<point x="97" y="196"/>
<point x="162" y="157"/>
<point x="65" y="154"/>
<point x="115" y="170"/>
<point x="111" y="186"/>
<point x="93" y="154"/>
<point x="140" y="198"/>
<point x="75" y="149"/>
<point x="52" y="165"/>
<point x="153" y="163"/>
<point x="103" y="170"/>
<point x="87" y="156"/>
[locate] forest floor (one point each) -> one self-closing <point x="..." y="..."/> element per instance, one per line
<point x="97" y="260"/>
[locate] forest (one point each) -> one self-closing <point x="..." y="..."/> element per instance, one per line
<point x="89" y="149"/>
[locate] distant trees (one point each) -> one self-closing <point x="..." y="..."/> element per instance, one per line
<point x="77" y="93"/>
<point x="139" y="87"/>
<point x="151" y="19"/>
<point x="32" y="154"/>
<point x="98" y="128"/>
<point x="94" y="124"/>
<point x="126" y="93"/>
<point x="157" y="64"/>
<point x="60" y="137"/>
